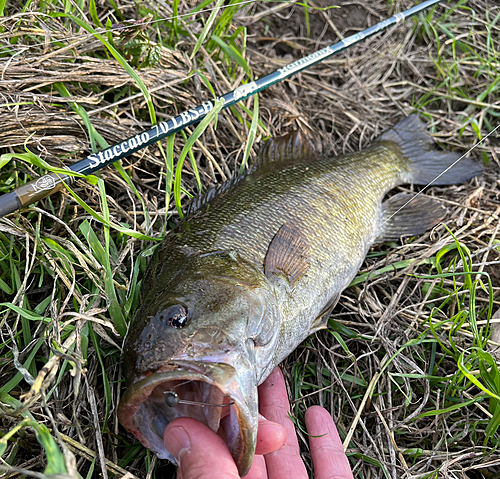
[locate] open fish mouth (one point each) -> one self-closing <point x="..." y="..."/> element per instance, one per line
<point x="207" y="392"/>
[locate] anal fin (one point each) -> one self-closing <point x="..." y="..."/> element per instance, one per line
<point x="418" y="216"/>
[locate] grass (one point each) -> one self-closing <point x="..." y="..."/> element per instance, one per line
<point x="408" y="365"/>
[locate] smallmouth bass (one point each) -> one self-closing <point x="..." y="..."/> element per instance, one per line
<point x="256" y="267"/>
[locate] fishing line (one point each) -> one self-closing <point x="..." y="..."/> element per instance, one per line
<point x="443" y="172"/>
<point x="120" y="28"/>
<point x="183" y="383"/>
<point x="172" y="399"/>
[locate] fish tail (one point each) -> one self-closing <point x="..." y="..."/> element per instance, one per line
<point x="428" y="164"/>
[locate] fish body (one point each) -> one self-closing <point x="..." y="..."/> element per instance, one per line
<point x="256" y="267"/>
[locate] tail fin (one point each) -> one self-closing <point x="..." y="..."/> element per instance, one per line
<point x="427" y="163"/>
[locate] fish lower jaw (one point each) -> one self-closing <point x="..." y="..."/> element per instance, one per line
<point x="215" y="400"/>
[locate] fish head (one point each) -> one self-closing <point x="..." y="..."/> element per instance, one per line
<point x="194" y="348"/>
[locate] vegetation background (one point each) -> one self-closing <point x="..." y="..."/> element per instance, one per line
<point x="408" y="366"/>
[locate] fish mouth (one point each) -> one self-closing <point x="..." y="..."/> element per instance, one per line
<point x="211" y="393"/>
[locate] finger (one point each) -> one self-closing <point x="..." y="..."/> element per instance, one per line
<point x="273" y="400"/>
<point x="327" y="452"/>
<point x="258" y="469"/>
<point x="200" y="452"/>
<point x="271" y="436"/>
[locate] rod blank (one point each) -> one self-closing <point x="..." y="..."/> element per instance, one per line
<point x="50" y="183"/>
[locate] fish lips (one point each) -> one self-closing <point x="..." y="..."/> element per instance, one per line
<point x="144" y="412"/>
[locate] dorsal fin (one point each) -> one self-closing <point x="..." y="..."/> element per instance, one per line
<point x="212" y="192"/>
<point x="292" y="146"/>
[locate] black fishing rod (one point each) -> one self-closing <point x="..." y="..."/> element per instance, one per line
<point x="44" y="186"/>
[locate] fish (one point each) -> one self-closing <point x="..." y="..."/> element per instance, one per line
<point x="256" y="266"/>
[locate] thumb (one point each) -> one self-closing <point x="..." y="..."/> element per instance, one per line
<point x="199" y="452"/>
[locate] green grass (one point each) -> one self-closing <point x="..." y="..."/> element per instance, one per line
<point x="92" y="291"/>
<point x="471" y="374"/>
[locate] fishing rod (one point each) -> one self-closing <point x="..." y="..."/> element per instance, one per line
<point x="44" y="186"/>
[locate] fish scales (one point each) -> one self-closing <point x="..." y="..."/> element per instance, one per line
<point x="239" y="283"/>
<point x="336" y="202"/>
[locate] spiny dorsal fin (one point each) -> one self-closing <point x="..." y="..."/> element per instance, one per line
<point x="292" y="146"/>
<point x="416" y="218"/>
<point x="213" y="191"/>
<point x="287" y="255"/>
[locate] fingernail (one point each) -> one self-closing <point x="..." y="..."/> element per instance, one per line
<point x="262" y="417"/>
<point x="177" y="441"/>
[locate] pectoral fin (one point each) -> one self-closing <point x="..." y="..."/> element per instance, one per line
<point x="287" y="255"/>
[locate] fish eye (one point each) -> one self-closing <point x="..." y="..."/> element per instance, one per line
<point x="176" y="316"/>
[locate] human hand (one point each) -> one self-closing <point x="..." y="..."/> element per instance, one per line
<point x="327" y="453"/>
<point x="204" y="455"/>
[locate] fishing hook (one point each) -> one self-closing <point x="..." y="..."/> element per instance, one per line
<point x="172" y="399"/>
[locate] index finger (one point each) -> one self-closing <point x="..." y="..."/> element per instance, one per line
<point x="285" y="463"/>
<point x="327" y="452"/>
